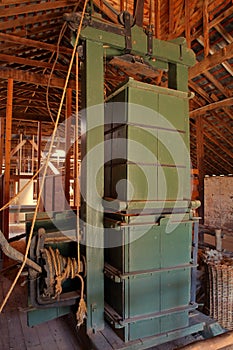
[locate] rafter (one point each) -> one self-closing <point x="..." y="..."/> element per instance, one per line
<point x="34" y="78"/>
<point x="211" y="61"/>
<point x="205" y="27"/>
<point x="157" y="19"/>
<point x="226" y="65"/>
<point x="33" y="43"/>
<point x="44" y="6"/>
<point x="24" y="21"/>
<point x="29" y="62"/>
<point x="219" y="104"/>
<point x="107" y="9"/>
<point x="227" y="36"/>
<point x="219" y="145"/>
<point x="218" y="132"/>
<point x="226" y="92"/>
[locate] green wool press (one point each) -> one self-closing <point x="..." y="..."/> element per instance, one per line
<point x="136" y="217"/>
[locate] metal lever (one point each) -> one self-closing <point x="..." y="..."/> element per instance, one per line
<point x="15" y="255"/>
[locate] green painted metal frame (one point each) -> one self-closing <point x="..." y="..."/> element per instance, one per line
<point x="93" y="136"/>
<point x="172" y="56"/>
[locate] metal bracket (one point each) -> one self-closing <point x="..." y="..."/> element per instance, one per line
<point x="126" y="19"/>
<point x="149" y="33"/>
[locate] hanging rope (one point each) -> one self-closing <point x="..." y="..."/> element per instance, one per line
<point x="12" y="200"/>
<point x="82" y="307"/>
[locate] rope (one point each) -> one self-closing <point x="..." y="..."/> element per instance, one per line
<point x="81" y="306"/>
<point x="82" y="309"/>
<point x="23" y="188"/>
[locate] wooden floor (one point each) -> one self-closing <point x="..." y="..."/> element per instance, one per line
<point x="59" y="334"/>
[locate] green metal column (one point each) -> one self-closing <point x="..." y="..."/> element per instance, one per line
<point x="178" y="77"/>
<point x="92" y="180"/>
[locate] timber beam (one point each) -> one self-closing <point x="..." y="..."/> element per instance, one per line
<point x="34" y="78"/>
<point x="211" y="61"/>
<point x="228" y="102"/>
<point x="33" y="43"/>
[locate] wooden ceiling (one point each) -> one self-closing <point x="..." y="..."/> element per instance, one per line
<point x="29" y="36"/>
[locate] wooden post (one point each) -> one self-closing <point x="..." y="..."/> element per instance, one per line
<point x="187" y="23"/>
<point x="200" y="163"/>
<point x="171" y="17"/>
<point x="7" y="156"/>
<point x="157" y="19"/>
<point x="1" y="142"/>
<point x="205" y="27"/>
<point x="68" y="144"/>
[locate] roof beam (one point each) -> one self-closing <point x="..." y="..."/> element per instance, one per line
<point x="44" y="6"/>
<point x="138" y="12"/>
<point x="219" y="132"/>
<point x="157" y="19"/>
<point x="33" y="63"/>
<point x="211" y="61"/>
<point x="34" y="78"/>
<point x="221" y="17"/>
<point x="205" y="27"/>
<point x="171" y="16"/>
<point x="218" y="144"/>
<point x="24" y="21"/>
<point x="226" y="92"/>
<point x="227" y="36"/>
<point x="219" y="104"/>
<point x="107" y="9"/>
<point x="213" y="23"/>
<point x="212" y="51"/>
<point x="33" y="43"/>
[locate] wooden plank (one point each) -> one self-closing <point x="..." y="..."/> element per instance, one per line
<point x="37" y="7"/>
<point x="187" y="23"/>
<point x="47" y="340"/>
<point x="211" y="106"/>
<point x="171" y="16"/>
<point x="107" y="9"/>
<point x="226" y="65"/>
<point x="226" y="35"/>
<point x="24" y="21"/>
<point x="34" y="78"/>
<point x="138" y="12"/>
<point x="20" y="145"/>
<point x="205" y="27"/>
<point x="61" y="338"/>
<point x="223" y="15"/>
<point x="33" y="43"/>
<point x="211" y="61"/>
<point x="226" y="92"/>
<point x="32" y="63"/>
<point x="213" y="23"/>
<point x="218" y="144"/>
<point x="157" y="19"/>
<point x="30" y="334"/>
<point x="217" y="156"/>
<point x="220" y="133"/>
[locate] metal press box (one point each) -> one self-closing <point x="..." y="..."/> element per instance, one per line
<point x="148" y="230"/>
